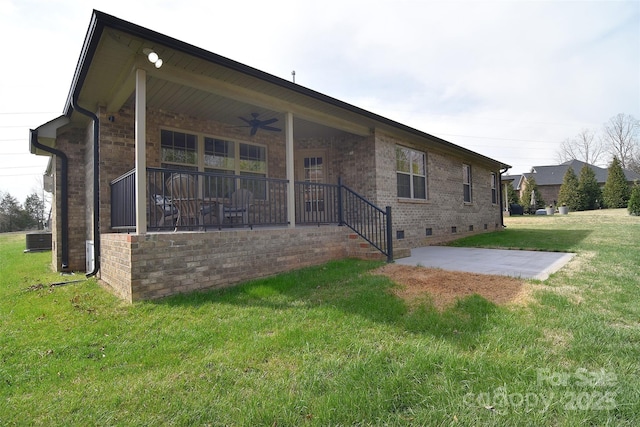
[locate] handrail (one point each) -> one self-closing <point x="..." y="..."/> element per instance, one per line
<point x="367" y="220"/>
<point x="206" y="203"/>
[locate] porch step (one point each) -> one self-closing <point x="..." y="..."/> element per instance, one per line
<point x="364" y="249"/>
<point x="401" y="253"/>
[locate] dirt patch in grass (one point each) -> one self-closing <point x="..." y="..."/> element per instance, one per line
<point x="443" y="288"/>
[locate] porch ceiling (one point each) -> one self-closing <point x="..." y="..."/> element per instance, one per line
<point x="193" y="86"/>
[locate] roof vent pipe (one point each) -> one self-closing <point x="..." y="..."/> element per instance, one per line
<point x="64" y="202"/>
<point x="96" y="182"/>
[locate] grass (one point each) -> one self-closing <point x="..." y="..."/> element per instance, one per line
<point x="330" y="345"/>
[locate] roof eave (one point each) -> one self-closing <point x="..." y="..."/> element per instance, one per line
<point x="100" y="20"/>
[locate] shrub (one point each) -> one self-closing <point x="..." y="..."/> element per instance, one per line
<point x="634" y="200"/>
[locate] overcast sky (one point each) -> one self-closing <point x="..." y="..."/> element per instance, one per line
<point x="508" y="79"/>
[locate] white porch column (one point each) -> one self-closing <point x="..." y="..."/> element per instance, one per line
<point x="141" y="160"/>
<point x="291" y="195"/>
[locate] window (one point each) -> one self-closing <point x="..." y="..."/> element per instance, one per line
<point x="466" y="183"/>
<point x="411" y="173"/>
<point x="179" y="150"/>
<point x="186" y="151"/>
<point x="494" y="191"/>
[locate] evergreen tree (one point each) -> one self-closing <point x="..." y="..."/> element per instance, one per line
<point x="512" y="195"/>
<point x="634" y="200"/>
<point x="10" y="217"/>
<point x="569" y="190"/>
<point x="588" y="190"/>
<point x="34" y="207"/>
<point x="531" y="186"/>
<point x="616" y="191"/>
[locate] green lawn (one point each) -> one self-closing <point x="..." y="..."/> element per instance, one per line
<point x="331" y="345"/>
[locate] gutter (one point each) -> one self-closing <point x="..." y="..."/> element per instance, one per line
<point x="96" y="181"/>
<point x="64" y="196"/>
<point x="506" y="168"/>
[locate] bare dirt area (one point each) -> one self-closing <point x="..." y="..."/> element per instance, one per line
<point x="443" y="288"/>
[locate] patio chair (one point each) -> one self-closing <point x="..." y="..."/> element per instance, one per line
<point x="160" y="209"/>
<point x="238" y="207"/>
<point x="183" y="191"/>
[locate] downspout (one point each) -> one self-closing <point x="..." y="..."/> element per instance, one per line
<point x="64" y="166"/>
<point x="502" y="195"/>
<point x="96" y="182"/>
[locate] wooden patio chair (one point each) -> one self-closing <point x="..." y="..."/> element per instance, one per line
<point x="183" y="191"/>
<point x="160" y="210"/>
<point x="240" y="202"/>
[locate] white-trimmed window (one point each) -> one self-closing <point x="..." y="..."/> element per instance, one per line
<point x="494" y="188"/>
<point x="181" y="150"/>
<point x="466" y="183"/>
<point x="411" y="173"/>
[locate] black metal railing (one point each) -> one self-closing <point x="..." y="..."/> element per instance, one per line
<point x="186" y="200"/>
<point x="367" y="220"/>
<point x="123" y="196"/>
<point x="317" y="203"/>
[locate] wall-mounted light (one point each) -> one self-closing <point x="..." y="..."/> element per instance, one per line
<point x="153" y="57"/>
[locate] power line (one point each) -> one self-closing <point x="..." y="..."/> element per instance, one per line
<point x="5" y="113"/>
<point x="500" y="139"/>
<point x="23" y="174"/>
<point x="19" y="167"/>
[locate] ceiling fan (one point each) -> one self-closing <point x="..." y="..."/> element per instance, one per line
<point x="256" y="124"/>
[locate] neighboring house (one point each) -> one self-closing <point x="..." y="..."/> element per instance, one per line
<point x="514" y="181"/>
<point x="549" y="178"/>
<point x="176" y="169"/>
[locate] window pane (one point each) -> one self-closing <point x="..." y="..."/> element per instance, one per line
<point x="467" y="193"/>
<point x="417" y="163"/>
<point x="253" y="158"/>
<point x="404" y="185"/>
<point x="402" y="159"/>
<point x="219" y="154"/>
<point x="419" y="188"/>
<point x="178" y="147"/>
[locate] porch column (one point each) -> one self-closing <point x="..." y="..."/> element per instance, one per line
<point x="291" y="194"/>
<point x="141" y="161"/>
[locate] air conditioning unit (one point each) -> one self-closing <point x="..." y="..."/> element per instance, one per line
<point x="38" y="242"/>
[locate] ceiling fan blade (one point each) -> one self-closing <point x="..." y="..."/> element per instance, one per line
<point x="268" y="121"/>
<point x="245" y="120"/>
<point x="270" y="128"/>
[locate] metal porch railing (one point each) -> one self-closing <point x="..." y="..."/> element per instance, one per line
<point x="188" y="200"/>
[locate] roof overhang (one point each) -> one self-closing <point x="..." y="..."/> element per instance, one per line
<point x="47" y="134"/>
<point x="193" y="81"/>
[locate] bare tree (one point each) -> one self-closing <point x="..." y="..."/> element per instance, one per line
<point x="584" y="147"/>
<point x="621" y="138"/>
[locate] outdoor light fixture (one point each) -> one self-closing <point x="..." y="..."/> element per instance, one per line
<point x="153" y="57"/>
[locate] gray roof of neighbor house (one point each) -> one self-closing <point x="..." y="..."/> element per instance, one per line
<point x="192" y="80"/>
<point x="554" y="174"/>
<point x="514" y="180"/>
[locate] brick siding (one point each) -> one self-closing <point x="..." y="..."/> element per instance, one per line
<point x="147" y="266"/>
<point x="155" y="265"/>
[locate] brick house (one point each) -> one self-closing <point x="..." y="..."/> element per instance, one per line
<point x="549" y="178"/>
<point x="327" y="179"/>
